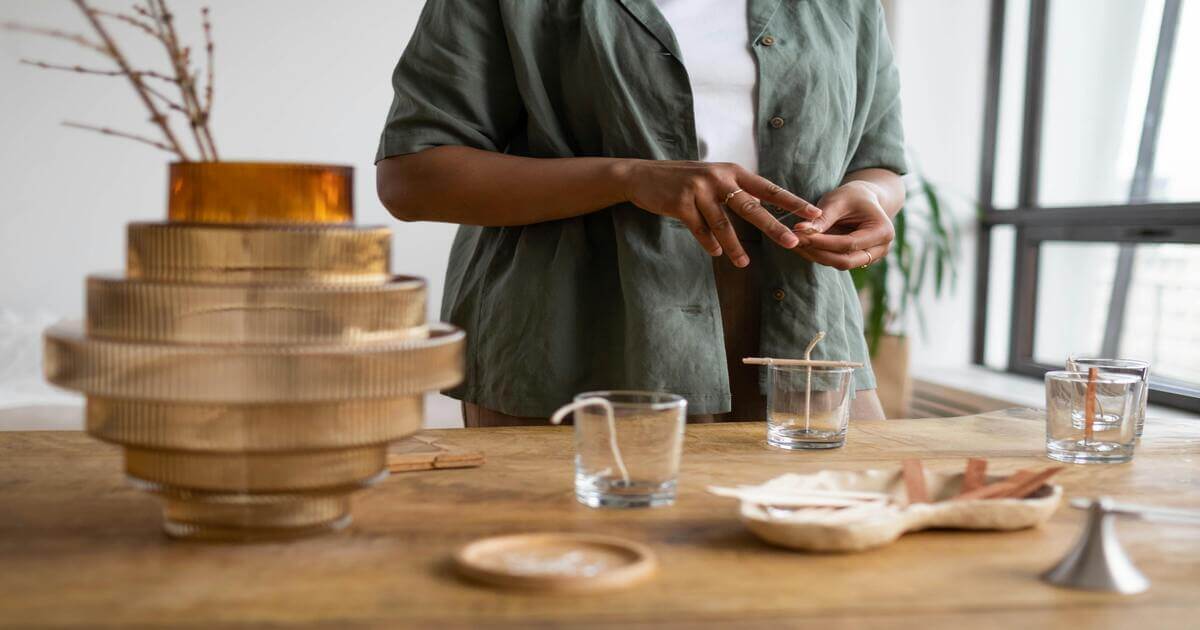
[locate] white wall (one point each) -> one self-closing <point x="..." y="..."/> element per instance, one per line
<point x="297" y="80"/>
<point x="941" y="51"/>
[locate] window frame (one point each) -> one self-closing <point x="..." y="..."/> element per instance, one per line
<point x="1136" y="222"/>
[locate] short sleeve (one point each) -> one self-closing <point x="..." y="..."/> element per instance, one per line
<point x="882" y="142"/>
<point x="454" y="84"/>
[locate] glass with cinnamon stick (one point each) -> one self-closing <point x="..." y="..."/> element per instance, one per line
<point x="1091" y="416"/>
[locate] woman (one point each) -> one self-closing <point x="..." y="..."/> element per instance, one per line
<point x="598" y="152"/>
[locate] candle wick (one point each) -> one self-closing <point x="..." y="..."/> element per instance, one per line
<point x="610" y="416"/>
<point x="808" y="378"/>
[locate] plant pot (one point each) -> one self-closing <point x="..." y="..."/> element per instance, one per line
<point x="892" y="378"/>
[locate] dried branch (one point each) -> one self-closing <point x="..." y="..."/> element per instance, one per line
<point x="130" y="20"/>
<point x="45" y="65"/>
<point x="208" y="84"/>
<point x="54" y="33"/>
<point x="121" y="134"/>
<point x="166" y="100"/>
<point x="153" y="18"/>
<point x="180" y="62"/>
<point x="139" y="85"/>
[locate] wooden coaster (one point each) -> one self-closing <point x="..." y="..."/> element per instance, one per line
<point x="556" y="562"/>
<point x="419" y="452"/>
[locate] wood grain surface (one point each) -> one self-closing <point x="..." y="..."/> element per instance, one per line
<point x="79" y="548"/>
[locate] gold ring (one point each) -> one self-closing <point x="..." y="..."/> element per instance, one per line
<point x="730" y="196"/>
<point x="870" y="259"/>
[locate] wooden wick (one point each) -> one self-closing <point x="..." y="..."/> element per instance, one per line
<point x="1017" y="486"/>
<point x="808" y="376"/>
<point x="1000" y="488"/>
<point x="975" y="475"/>
<point x="799" y="362"/>
<point x="1033" y="483"/>
<point x="1089" y="406"/>
<point x="914" y="481"/>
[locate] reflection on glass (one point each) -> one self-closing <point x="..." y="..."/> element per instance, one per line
<point x="1162" y="307"/>
<point x="1162" y="320"/>
<point x="1074" y="288"/>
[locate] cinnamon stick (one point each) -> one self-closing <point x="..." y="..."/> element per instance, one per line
<point x="914" y="481"/>
<point x="975" y="475"/>
<point x="1089" y="405"/>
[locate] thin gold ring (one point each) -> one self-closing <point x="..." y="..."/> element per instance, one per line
<point x="870" y="259"/>
<point x="730" y="196"/>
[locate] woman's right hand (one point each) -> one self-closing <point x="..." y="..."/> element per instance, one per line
<point x="696" y="193"/>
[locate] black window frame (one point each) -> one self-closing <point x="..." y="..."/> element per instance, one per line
<point x="1136" y="222"/>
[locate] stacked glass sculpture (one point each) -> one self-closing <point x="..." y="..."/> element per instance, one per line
<point x="257" y="356"/>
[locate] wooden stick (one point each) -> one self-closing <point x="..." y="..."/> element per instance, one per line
<point x="914" y="481"/>
<point x="1000" y="488"/>
<point x="1033" y="483"/>
<point x="975" y="475"/>
<point x="799" y="362"/>
<point x="1089" y="406"/>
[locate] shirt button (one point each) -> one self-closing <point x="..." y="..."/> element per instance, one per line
<point x="777" y="122"/>
<point x="779" y="295"/>
<point x="768" y="40"/>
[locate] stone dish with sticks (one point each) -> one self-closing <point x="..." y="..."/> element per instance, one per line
<point x="843" y="511"/>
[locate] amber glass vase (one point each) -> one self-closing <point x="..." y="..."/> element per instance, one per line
<point x="260" y="192"/>
<point x="258" y="356"/>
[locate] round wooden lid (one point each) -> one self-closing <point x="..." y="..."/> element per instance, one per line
<point x="556" y="561"/>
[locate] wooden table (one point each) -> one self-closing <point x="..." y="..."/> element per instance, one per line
<point x="80" y="548"/>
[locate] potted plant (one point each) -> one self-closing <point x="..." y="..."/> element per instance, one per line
<point x="923" y="251"/>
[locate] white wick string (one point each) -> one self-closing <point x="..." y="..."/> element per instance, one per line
<point x="563" y="411"/>
<point x="808" y="377"/>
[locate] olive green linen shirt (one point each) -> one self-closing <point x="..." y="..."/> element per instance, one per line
<point x="622" y="298"/>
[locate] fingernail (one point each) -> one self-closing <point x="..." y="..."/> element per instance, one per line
<point x="717" y="252"/>
<point x="810" y="229"/>
<point x="741" y="261"/>
<point x="790" y="240"/>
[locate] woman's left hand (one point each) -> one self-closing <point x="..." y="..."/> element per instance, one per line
<point x="854" y="230"/>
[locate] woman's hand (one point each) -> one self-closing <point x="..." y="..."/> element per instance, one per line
<point x="854" y="231"/>
<point x="697" y="194"/>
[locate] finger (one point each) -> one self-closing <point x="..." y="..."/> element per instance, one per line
<point x="749" y="208"/>
<point x="722" y="228"/>
<point x="767" y="190"/>
<point x="866" y="235"/>
<point x="699" y="229"/>
<point x="843" y="261"/>
<point x="829" y="217"/>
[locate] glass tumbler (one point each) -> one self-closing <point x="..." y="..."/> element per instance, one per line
<point x="627" y="447"/>
<point x="1133" y="367"/>
<point x="1108" y="435"/>
<point x="808" y="407"/>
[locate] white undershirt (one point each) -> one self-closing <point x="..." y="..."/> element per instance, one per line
<point x="714" y="38"/>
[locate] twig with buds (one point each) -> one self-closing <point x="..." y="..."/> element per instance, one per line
<point x="152" y="18"/>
